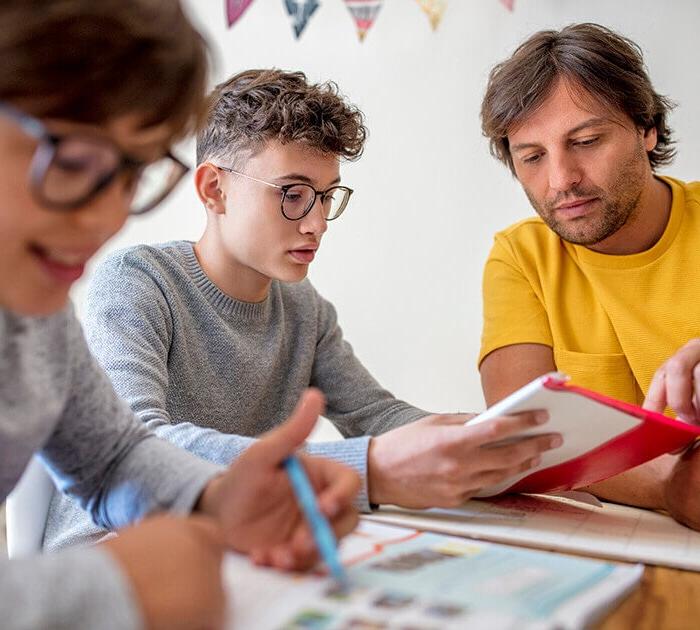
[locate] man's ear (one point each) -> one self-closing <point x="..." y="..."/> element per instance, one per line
<point x="207" y="180"/>
<point x="650" y="139"/>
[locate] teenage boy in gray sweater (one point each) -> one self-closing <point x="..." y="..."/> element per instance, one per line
<point x="79" y="152"/>
<point x="212" y="342"/>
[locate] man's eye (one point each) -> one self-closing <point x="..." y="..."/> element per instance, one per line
<point x="532" y="159"/>
<point x="587" y="142"/>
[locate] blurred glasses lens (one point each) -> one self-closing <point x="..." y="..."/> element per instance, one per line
<point x="154" y="181"/>
<point x="68" y="170"/>
<point x="72" y="169"/>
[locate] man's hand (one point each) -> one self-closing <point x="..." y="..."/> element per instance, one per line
<point x="682" y="488"/>
<point x="256" y="506"/>
<point x="438" y="461"/>
<point x="676" y="384"/>
<point x="174" y="568"/>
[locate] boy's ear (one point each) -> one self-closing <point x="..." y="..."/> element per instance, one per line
<point x="207" y="180"/>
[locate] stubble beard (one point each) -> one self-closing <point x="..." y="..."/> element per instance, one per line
<point x="618" y="206"/>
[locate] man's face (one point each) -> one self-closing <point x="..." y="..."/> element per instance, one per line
<point x="254" y="233"/>
<point x="44" y="251"/>
<point x="582" y="166"/>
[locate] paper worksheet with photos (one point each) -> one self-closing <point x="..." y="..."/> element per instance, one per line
<point x="405" y="579"/>
<point x="605" y="530"/>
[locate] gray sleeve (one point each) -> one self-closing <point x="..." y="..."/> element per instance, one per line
<point x="129" y="328"/>
<point x="351" y="452"/>
<point x="355" y="402"/>
<point x="117" y="469"/>
<point x="81" y="589"/>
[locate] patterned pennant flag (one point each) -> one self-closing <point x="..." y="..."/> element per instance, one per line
<point x="364" y="12"/>
<point x="300" y="11"/>
<point x="434" y="10"/>
<point x="508" y="4"/>
<point x="236" y="8"/>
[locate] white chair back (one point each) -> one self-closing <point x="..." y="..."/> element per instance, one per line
<point x="26" y="510"/>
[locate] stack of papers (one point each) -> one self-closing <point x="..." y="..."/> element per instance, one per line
<point x="619" y="532"/>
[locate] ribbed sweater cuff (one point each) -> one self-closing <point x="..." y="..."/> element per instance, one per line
<point x="351" y="452"/>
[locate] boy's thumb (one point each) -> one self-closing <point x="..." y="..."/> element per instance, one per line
<point x="288" y="437"/>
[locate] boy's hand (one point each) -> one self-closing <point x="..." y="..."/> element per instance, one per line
<point x="174" y="567"/>
<point x="256" y="506"/>
<point x="438" y="461"/>
<point x="676" y="384"/>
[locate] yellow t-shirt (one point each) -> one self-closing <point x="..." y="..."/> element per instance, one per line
<point x="610" y="320"/>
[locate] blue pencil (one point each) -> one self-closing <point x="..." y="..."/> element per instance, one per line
<point x="321" y="530"/>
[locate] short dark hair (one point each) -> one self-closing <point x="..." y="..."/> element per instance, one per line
<point x="593" y="59"/>
<point x="94" y="60"/>
<point x="256" y="106"/>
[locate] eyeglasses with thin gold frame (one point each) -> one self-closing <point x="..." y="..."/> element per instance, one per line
<point x="298" y="199"/>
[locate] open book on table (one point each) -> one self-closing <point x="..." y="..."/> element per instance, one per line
<point x="602" y="436"/>
<point x="404" y="579"/>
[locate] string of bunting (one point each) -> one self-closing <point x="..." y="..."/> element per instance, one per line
<point x="363" y="12"/>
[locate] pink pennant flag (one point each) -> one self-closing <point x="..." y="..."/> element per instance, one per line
<point x="364" y="12"/>
<point x="236" y="8"/>
<point x="434" y="9"/>
<point x="508" y="4"/>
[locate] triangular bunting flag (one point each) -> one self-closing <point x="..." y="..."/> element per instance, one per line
<point x="434" y="10"/>
<point x="364" y="12"/>
<point x="236" y="8"/>
<point x="508" y="4"/>
<point x="300" y="11"/>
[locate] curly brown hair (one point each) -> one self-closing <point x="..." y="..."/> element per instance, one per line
<point x="595" y="60"/>
<point x="256" y="106"/>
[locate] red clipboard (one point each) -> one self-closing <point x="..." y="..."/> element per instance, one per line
<point x="618" y="435"/>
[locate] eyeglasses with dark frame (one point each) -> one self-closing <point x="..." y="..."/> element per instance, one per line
<point x="68" y="170"/>
<point x="298" y="199"/>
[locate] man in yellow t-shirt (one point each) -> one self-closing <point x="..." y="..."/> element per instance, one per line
<point x="604" y="284"/>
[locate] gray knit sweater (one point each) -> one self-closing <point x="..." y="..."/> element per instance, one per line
<point x="208" y="372"/>
<point x="56" y="400"/>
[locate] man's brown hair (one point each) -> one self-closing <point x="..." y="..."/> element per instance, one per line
<point x="594" y="61"/>
<point x="93" y="60"/>
<point x="256" y="106"/>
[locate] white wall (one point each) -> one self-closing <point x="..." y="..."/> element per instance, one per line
<point x="403" y="265"/>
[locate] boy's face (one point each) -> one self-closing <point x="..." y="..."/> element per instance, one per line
<point x="44" y="251"/>
<point x="583" y="166"/>
<point x="254" y="233"/>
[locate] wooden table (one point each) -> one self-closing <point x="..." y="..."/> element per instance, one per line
<point x="666" y="599"/>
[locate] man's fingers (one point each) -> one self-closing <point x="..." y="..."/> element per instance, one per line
<point x="675" y="383"/>
<point x="283" y="441"/>
<point x="656" y="396"/>
<point x="679" y="386"/>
